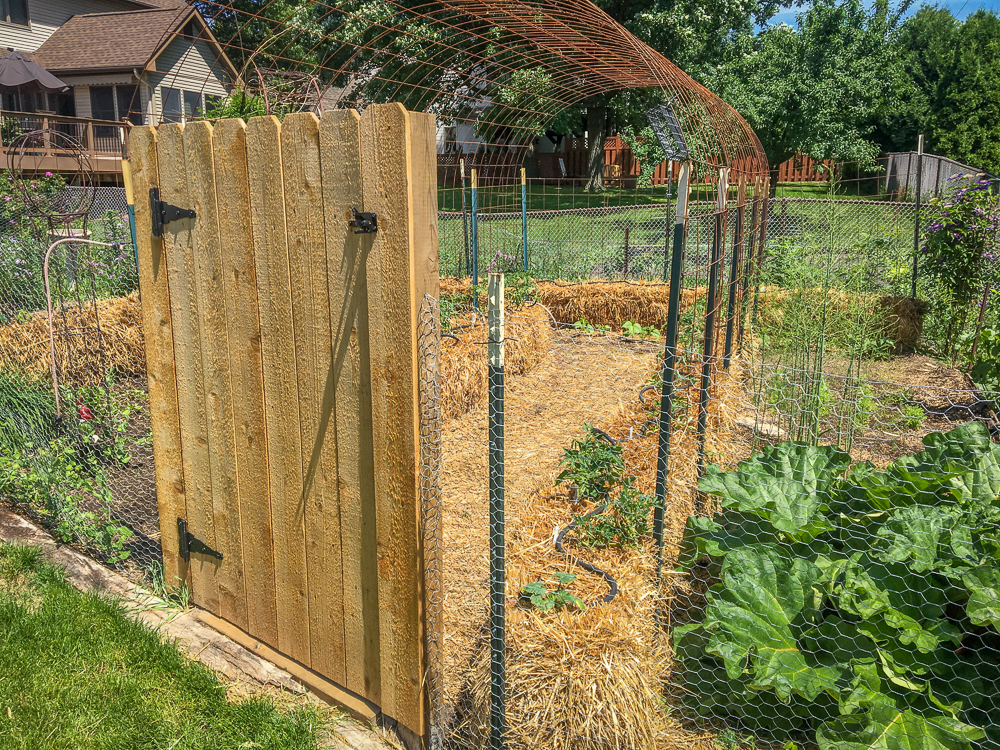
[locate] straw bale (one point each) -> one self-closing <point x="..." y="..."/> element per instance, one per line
<point x="25" y="345"/>
<point x="604" y="303"/>
<point x="596" y="678"/>
<point x="904" y="321"/>
<point x="463" y="359"/>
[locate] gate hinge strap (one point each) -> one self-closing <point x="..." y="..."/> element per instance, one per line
<point x="162" y="212"/>
<point x="188" y="543"/>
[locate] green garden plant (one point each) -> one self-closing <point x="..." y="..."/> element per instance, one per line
<point x="624" y="522"/>
<point x="592" y="467"/>
<point x="958" y="250"/>
<point x="851" y="607"/>
<point x="544" y="597"/>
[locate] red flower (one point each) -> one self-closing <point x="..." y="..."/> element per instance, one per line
<point x="85" y="413"/>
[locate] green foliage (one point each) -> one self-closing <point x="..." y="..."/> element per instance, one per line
<point x="59" y="470"/>
<point x="636" y="330"/>
<point x="586" y="326"/>
<point x="854" y="608"/>
<point x="647" y="151"/>
<point x="958" y="249"/>
<point x="546" y="598"/>
<point x="986" y="366"/>
<point x="791" y="83"/>
<point x="240" y="103"/>
<point x="948" y="87"/>
<point x="624" y="522"/>
<point x="591" y="466"/>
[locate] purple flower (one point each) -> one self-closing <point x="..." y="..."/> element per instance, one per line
<point x="47" y="174"/>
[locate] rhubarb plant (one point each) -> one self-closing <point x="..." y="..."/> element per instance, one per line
<point x="851" y="607"/>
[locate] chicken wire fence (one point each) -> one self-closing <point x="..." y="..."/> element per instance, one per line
<point x="75" y="448"/>
<point x="830" y="564"/>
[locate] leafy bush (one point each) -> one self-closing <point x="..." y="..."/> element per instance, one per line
<point x="593" y="466"/>
<point x="624" y="522"/>
<point x="854" y="607"/>
<point x="958" y="248"/>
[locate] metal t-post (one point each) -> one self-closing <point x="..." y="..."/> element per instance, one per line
<point x="524" y="218"/>
<point x="465" y="220"/>
<point x="475" y="242"/>
<point x="498" y="677"/>
<point x="916" y="218"/>
<point x="734" y="274"/>
<point x="718" y="244"/>
<point x="130" y="203"/>
<point x="670" y="365"/>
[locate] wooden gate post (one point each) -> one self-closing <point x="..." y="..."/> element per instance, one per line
<point x="158" y="334"/>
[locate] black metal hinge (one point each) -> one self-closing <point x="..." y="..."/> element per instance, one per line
<point x="366" y="223"/>
<point x="188" y="543"/>
<point x="162" y="212"/>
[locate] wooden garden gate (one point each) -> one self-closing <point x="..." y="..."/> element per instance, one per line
<point x="282" y="362"/>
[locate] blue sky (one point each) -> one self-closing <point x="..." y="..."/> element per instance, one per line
<point x="959" y="8"/>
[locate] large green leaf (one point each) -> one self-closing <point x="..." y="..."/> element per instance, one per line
<point x="751" y="615"/>
<point x="788" y="484"/>
<point x="730" y="530"/>
<point x="983" y="607"/>
<point x="889" y="728"/>
<point x="912" y="536"/>
<point x="967" y="454"/>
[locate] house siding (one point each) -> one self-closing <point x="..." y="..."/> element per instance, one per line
<point x="81" y="95"/>
<point x="189" y="66"/>
<point x="49" y="15"/>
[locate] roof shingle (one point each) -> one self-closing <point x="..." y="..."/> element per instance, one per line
<point x="109" y="41"/>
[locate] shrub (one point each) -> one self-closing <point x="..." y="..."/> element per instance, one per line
<point x="855" y="607"/>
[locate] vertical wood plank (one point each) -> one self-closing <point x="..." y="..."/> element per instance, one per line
<point x="307" y="271"/>
<point x="199" y="163"/>
<point x="245" y="369"/>
<point x="158" y="336"/>
<point x="179" y="246"/>
<point x="340" y="150"/>
<point x="426" y="281"/>
<point x="281" y="410"/>
<point x="385" y="150"/>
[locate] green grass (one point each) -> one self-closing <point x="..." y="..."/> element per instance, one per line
<point x="76" y="673"/>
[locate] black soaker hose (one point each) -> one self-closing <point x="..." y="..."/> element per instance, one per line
<point x="590" y="568"/>
<point x="612" y="583"/>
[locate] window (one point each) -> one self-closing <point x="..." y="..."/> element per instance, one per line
<point x="171" y="105"/>
<point x="192" y="105"/>
<point x="129" y="105"/>
<point x="102" y="102"/>
<point x="16" y="11"/>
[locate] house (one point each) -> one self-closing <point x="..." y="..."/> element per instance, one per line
<point x="145" y="61"/>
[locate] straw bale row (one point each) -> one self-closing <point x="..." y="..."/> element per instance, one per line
<point x="597" y="678"/>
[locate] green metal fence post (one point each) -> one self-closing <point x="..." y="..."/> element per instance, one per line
<point x="475" y="241"/>
<point x="524" y="219"/>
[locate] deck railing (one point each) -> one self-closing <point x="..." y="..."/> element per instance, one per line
<point x="100" y="140"/>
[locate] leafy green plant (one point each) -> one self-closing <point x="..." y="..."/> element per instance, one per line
<point x="986" y="365"/>
<point x="584" y="325"/>
<point x="958" y="251"/>
<point x="27" y="411"/>
<point x="591" y="466"/>
<point x="546" y="598"/>
<point x="624" y="522"/>
<point x="636" y="330"/>
<point x="852" y="607"/>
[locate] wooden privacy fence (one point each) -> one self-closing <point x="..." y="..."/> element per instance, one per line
<point x="282" y="363"/>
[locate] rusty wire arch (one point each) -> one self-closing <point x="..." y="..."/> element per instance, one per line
<point x="498" y="71"/>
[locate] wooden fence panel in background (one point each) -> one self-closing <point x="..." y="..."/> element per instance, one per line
<point x="287" y="330"/>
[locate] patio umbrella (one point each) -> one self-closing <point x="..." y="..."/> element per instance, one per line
<point x="17" y="71"/>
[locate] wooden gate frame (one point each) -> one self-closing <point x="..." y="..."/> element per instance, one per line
<point x="233" y="305"/>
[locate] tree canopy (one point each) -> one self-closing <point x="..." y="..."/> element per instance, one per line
<point x="816" y="88"/>
<point x="947" y="87"/>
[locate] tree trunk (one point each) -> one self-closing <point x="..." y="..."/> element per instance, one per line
<point x="597" y="125"/>
<point x="774" y="178"/>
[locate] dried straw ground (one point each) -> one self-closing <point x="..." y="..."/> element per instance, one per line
<point x="575" y="679"/>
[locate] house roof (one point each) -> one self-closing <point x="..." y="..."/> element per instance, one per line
<point x="95" y="41"/>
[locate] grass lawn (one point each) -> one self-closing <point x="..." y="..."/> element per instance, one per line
<point x="76" y="673"/>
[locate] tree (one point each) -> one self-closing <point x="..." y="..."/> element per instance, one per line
<point x="818" y="87"/>
<point x="948" y="88"/>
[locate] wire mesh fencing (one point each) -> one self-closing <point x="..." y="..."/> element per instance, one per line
<point x="75" y="427"/>
<point x="830" y="553"/>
